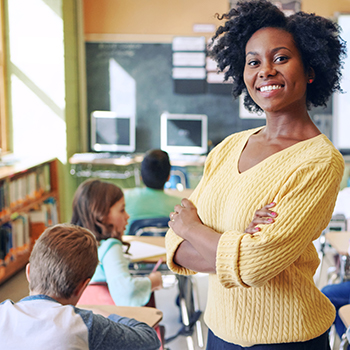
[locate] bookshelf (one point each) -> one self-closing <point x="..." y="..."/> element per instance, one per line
<point x="28" y="204"/>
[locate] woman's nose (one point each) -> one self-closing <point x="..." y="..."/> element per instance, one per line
<point x="267" y="69"/>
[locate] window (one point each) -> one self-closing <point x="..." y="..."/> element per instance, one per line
<point x="3" y="113"/>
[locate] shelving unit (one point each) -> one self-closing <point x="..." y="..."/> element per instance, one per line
<point x="24" y="188"/>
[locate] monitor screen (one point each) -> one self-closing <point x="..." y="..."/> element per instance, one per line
<point x="184" y="133"/>
<point x="111" y="132"/>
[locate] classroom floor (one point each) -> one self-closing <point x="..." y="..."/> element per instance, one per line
<point x="17" y="288"/>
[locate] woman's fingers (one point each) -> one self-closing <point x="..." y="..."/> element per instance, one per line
<point x="263" y="216"/>
<point x="265" y="211"/>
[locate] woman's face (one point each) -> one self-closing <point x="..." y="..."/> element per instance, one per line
<point x="274" y="73"/>
<point x="118" y="217"/>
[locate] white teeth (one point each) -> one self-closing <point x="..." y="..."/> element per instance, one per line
<point x="270" y="88"/>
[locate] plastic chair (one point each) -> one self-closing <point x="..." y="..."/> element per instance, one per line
<point x="96" y="294"/>
<point x="178" y="177"/>
<point x="149" y="227"/>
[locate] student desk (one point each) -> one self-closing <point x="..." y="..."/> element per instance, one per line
<point x="344" y="314"/>
<point x="125" y="168"/>
<point x="88" y="165"/>
<point x="149" y="315"/>
<point x="340" y="242"/>
<point x="188" y="293"/>
<point x="158" y="241"/>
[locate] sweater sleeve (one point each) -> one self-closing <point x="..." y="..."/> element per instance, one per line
<point x="304" y="205"/>
<point x="125" y="289"/>
<point x="116" y="332"/>
<point x="172" y="240"/>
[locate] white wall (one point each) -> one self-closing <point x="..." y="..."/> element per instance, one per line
<point x="341" y="102"/>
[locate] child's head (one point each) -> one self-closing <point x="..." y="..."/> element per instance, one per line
<point x="63" y="257"/>
<point x="155" y="169"/>
<point x="100" y="207"/>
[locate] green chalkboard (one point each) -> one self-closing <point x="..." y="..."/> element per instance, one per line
<point x="150" y="64"/>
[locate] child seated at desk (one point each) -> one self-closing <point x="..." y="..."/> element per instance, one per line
<point x="151" y="201"/>
<point x="62" y="262"/>
<point x="100" y="207"/>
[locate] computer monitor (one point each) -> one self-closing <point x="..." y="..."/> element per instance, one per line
<point x="111" y="132"/>
<point x="184" y="133"/>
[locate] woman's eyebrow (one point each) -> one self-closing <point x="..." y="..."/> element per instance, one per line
<point x="273" y="50"/>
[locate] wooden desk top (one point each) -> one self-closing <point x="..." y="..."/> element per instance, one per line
<point x="339" y="240"/>
<point x="344" y="313"/>
<point x="158" y="241"/>
<point x="149" y="315"/>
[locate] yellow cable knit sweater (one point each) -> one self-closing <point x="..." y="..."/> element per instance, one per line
<point x="263" y="291"/>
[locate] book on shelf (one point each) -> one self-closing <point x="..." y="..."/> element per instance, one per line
<point x="5" y="242"/>
<point x="42" y="218"/>
<point x="24" y="188"/>
<point x="24" y="229"/>
<point x="26" y="210"/>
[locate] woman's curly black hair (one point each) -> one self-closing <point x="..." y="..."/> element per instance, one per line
<point x="317" y="39"/>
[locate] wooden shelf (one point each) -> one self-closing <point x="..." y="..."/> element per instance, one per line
<point x="28" y="206"/>
<point x="14" y="266"/>
<point x="17" y="259"/>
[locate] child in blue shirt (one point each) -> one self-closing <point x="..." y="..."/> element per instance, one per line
<point x="100" y="207"/>
<point x="61" y="265"/>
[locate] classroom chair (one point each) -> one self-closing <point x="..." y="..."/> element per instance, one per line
<point x="178" y="177"/>
<point x="149" y="227"/>
<point x="337" y="224"/>
<point x="96" y="294"/>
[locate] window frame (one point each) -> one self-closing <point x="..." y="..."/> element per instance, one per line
<point x="4" y="142"/>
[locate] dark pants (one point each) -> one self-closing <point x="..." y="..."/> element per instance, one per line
<point x="339" y="295"/>
<point x="320" y="343"/>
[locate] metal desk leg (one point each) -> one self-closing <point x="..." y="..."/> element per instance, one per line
<point x="189" y="309"/>
<point x="332" y="335"/>
<point x="344" y="343"/>
<point x="196" y="307"/>
<point x="186" y="322"/>
<point x="343" y="259"/>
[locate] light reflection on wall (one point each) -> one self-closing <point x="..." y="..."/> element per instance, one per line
<point x="122" y="90"/>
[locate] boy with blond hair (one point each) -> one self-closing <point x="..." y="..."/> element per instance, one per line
<point x="62" y="262"/>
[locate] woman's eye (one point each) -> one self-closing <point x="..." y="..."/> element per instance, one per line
<point x="253" y="63"/>
<point x="281" y="58"/>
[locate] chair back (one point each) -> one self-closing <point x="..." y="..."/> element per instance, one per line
<point x="178" y="177"/>
<point x="149" y="227"/>
<point x="96" y="294"/>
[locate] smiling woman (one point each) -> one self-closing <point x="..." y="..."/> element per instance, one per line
<point x="266" y="193"/>
<point x="274" y="73"/>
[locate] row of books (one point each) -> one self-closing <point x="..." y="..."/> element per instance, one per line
<point x="26" y="187"/>
<point x="20" y="234"/>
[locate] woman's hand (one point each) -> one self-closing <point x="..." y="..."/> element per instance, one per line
<point x="262" y="216"/>
<point x="184" y="218"/>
